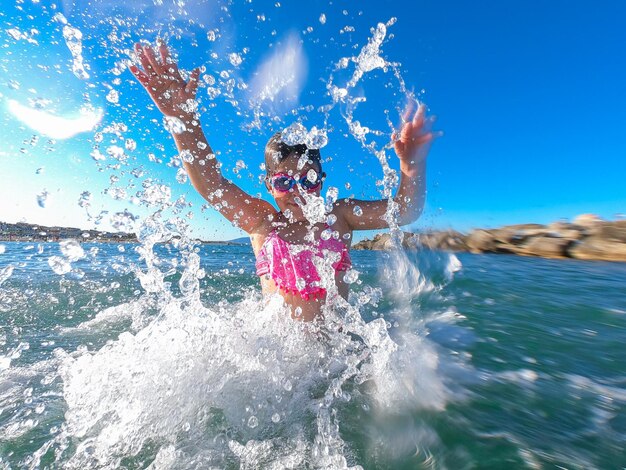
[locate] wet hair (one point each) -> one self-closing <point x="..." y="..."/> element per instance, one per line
<point x="277" y="151"/>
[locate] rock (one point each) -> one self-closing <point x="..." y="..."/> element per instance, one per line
<point x="381" y="241"/>
<point x="517" y="234"/>
<point x="587" y="220"/>
<point x="479" y="241"/>
<point x="545" y="247"/>
<point x="504" y="235"/>
<point x="517" y="227"/>
<point x="611" y="231"/>
<point x="449" y="240"/>
<point x="598" y="248"/>
<point x="589" y="238"/>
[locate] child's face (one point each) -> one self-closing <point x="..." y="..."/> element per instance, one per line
<point x="286" y="200"/>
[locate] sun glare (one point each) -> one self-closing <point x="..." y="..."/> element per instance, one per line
<point x="57" y="127"/>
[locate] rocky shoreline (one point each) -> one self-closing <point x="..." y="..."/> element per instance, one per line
<point x="588" y="237"/>
<point x="24" y="232"/>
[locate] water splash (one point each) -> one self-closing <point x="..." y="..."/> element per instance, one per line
<point x="181" y="384"/>
<point x="74" y="40"/>
<point x="220" y="385"/>
<point x="5" y="273"/>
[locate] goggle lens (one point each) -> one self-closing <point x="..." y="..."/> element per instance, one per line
<point x="284" y="183"/>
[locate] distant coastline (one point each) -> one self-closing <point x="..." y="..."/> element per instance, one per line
<point x="588" y="237"/>
<point x="24" y="232"/>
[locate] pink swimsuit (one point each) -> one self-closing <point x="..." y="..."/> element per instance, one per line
<point x="292" y="267"/>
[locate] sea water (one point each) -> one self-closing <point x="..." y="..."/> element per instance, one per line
<point x="464" y="361"/>
<point x="164" y="355"/>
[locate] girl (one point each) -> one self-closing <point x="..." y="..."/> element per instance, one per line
<point x="296" y="252"/>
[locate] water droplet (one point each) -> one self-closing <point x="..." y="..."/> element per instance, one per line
<point x="253" y="422"/>
<point x="5" y="272"/>
<point x="42" y="199"/>
<point x="123" y="221"/>
<point x="235" y="59"/>
<point x="130" y="144"/>
<point x="311" y="175"/>
<point x="97" y="155"/>
<point x="113" y="96"/>
<point x="174" y="125"/>
<point x="73" y="39"/>
<point x="59" y="265"/>
<point x="351" y="276"/>
<point x="287" y="385"/>
<point x="323" y="18"/>
<point x="181" y="176"/>
<point x="72" y="250"/>
<point x="239" y="165"/>
<point x="275" y="418"/>
<point x="213" y="92"/>
<point x="357" y="211"/>
<point x="116" y="152"/>
<point x="155" y="194"/>
<point x="211" y="36"/>
<point x="300" y="283"/>
<point x="186" y="156"/>
<point x="331" y="219"/>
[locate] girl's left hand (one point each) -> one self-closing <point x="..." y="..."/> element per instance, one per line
<point x="413" y="141"/>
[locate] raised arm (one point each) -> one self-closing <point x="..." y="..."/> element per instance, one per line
<point x="176" y="99"/>
<point x="412" y="146"/>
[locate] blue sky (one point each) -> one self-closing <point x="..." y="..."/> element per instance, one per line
<point x="531" y="97"/>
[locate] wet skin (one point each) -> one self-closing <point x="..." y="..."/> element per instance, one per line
<point x="295" y="229"/>
<point x="158" y="73"/>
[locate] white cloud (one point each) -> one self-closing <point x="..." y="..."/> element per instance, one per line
<point x="279" y="79"/>
<point x="57" y="127"/>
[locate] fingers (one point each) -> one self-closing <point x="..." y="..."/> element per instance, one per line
<point x="192" y="86"/>
<point x="407" y="131"/>
<point x="145" y="63"/>
<point x="164" y="53"/>
<point x="149" y="53"/>
<point x="418" y="119"/>
<point x="408" y="112"/>
<point x="424" y="138"/>
<point x="168" y="64"/>
<point x="140" y="75"/>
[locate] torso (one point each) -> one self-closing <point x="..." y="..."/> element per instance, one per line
<point x="295" y="234"/>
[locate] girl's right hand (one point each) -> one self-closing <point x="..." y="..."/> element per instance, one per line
<point x="163" y="82"/>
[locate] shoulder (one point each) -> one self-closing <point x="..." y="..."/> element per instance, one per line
<point x="259" y="234"/>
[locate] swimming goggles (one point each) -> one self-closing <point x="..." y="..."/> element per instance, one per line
<point x="284" y="183"/>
